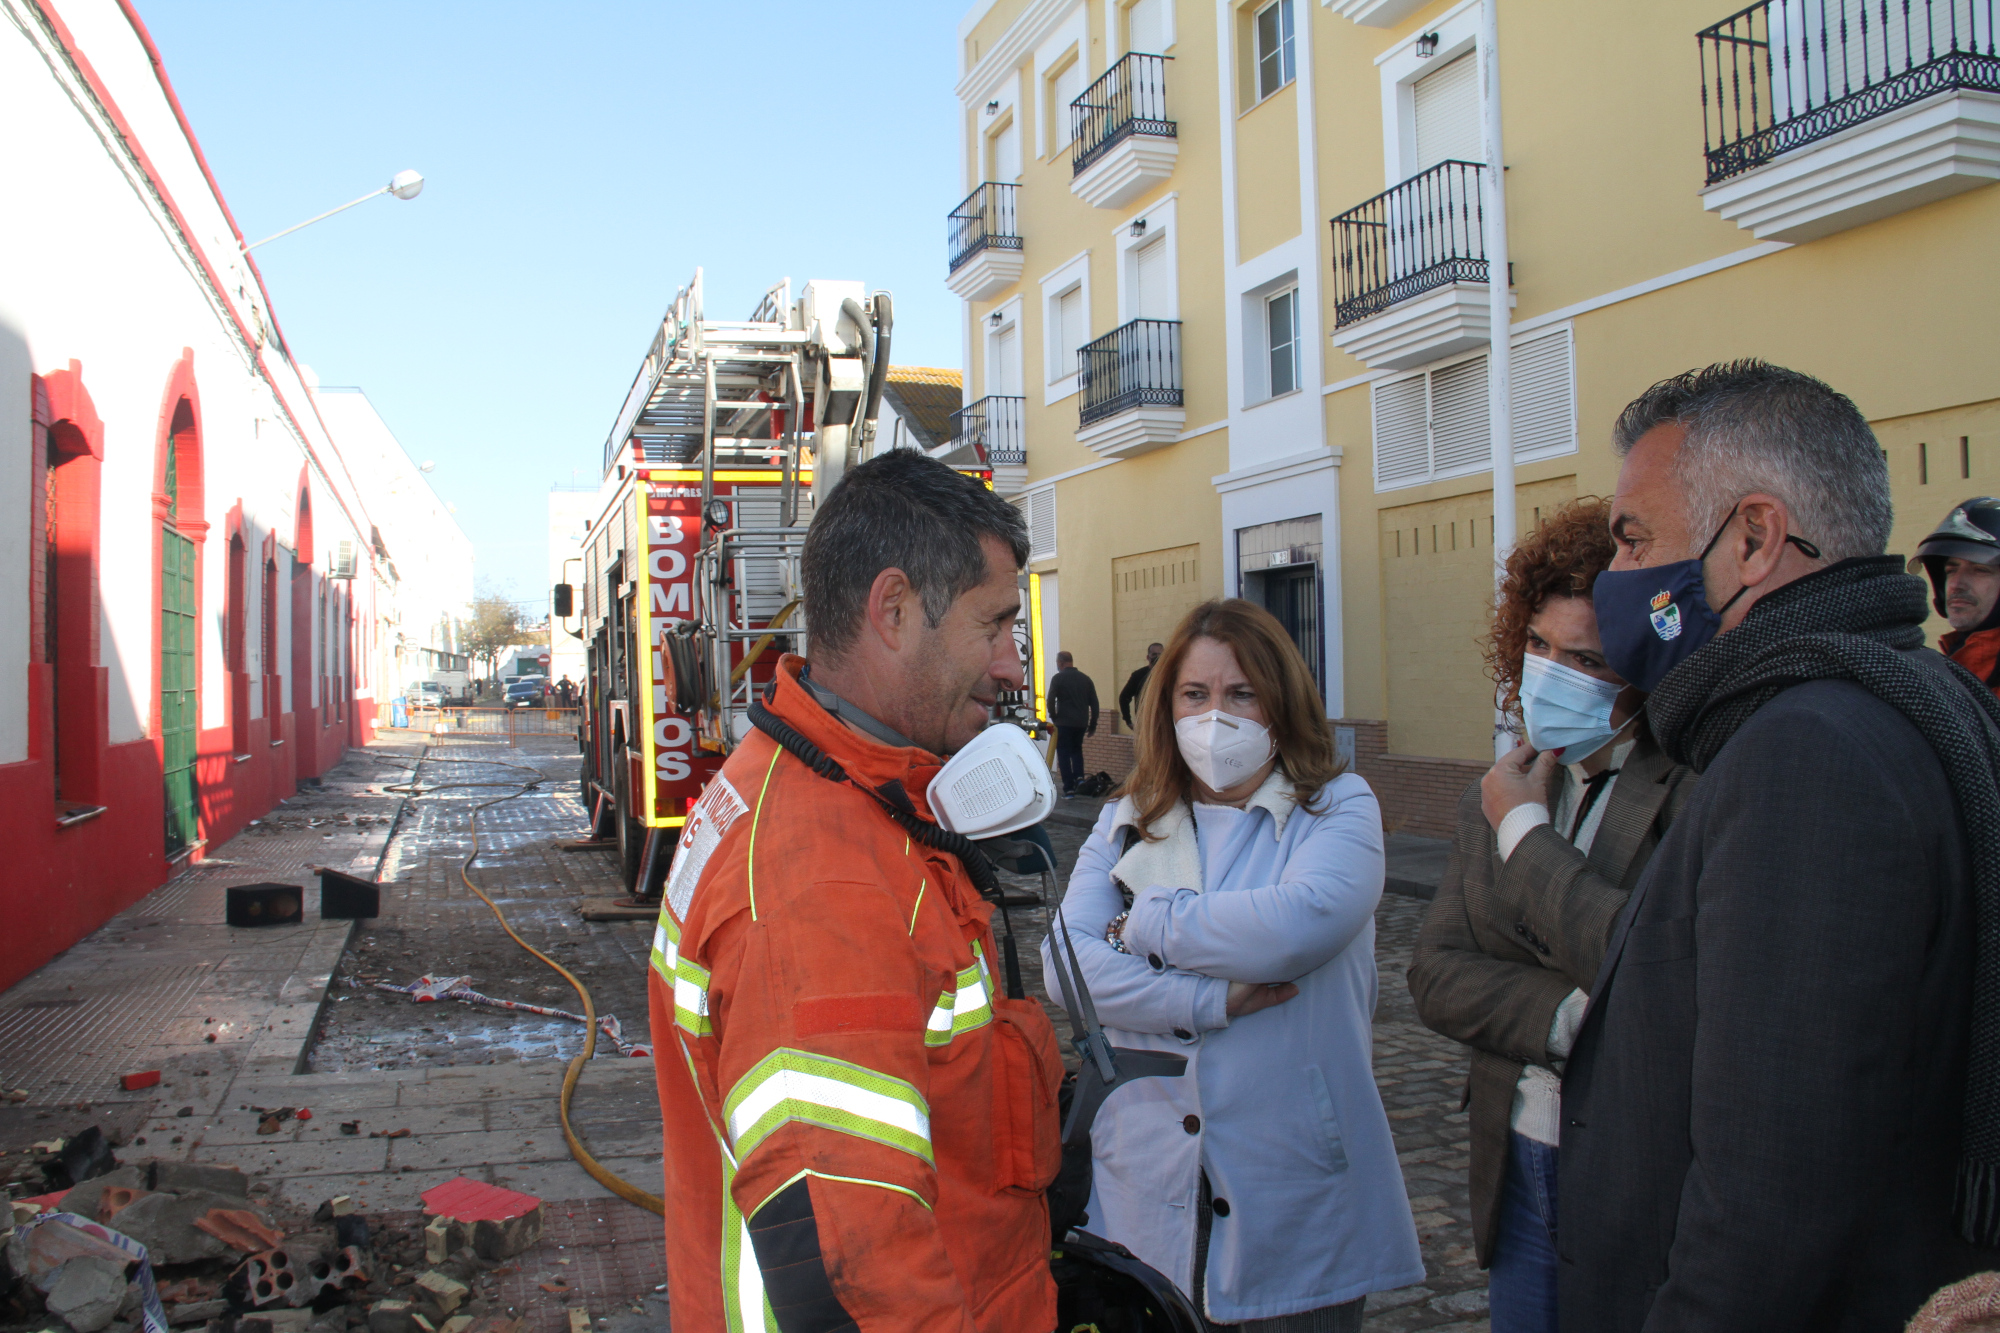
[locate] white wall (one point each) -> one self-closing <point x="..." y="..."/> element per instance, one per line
<point x="120" y="267"/>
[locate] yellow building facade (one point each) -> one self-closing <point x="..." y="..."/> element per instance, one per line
<point x="1226" y="314"/>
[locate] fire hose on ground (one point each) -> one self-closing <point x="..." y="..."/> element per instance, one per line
<point x="624" y="1189"/>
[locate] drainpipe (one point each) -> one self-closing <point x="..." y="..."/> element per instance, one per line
<point x="1499" y="362"/>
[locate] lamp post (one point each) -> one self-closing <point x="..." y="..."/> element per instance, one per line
<point x="404" y="185"/>
<point x="1499" y="362"/>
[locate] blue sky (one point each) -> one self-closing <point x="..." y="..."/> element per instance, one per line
<point x="580" y="160"/>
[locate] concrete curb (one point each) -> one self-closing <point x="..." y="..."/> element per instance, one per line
<point x="291" y="1026"/>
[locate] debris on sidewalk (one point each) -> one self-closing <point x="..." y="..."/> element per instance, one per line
<point x="192" y="1249"/>
<point x="427" y="988"/>
<point x="497" y="1223"/>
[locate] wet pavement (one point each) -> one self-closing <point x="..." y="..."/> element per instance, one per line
<point x="432" y="924"/>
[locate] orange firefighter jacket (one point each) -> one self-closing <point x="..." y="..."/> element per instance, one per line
<point x="1978" y="651"/>
<point x="859" y="1124"/>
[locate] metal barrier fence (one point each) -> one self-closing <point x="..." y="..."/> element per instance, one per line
<point x="499" y="725"/>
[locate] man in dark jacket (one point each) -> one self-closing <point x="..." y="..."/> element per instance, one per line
<point x="1073" y="709"/>
<point x="1962" y="560"/>
<point x="1135" y="684"/>
<point x="1776" y="1116"/>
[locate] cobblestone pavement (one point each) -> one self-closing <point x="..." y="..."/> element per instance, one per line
<point x="1420" y="1075"/>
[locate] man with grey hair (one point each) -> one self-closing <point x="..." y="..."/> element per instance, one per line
<point x="1783" y="1108"/>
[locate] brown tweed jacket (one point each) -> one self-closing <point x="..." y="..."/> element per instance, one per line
<point x="1505" y="942"/>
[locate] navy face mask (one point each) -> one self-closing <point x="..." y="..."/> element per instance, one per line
<point x="1651" y="620"/>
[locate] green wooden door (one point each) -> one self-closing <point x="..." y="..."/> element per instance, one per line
<point x="178" y="708"/>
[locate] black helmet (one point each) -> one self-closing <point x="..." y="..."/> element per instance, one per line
<point x="1969" y="532"/>
<point x="1099" y="1284"/>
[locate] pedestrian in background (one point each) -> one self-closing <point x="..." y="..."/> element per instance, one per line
<point x="1783" y="1109"/>
<point x="1557" y="832"/>
<point x="1962" y="559"/>
<point x="1135" y="685"/>
<point x="1073" y="710"/>
<point x="1224" y="909"/>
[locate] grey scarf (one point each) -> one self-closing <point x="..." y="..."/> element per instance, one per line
<point x="1860" y="620"/>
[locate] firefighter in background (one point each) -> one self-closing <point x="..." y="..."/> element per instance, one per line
<point x="1962" y="558"/>
<point x="859" y="1122"/>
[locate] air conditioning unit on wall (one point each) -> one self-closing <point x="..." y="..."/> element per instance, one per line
<point x="343" y="560"/>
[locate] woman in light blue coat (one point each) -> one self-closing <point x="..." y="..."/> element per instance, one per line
<point x="1223" y="909"/>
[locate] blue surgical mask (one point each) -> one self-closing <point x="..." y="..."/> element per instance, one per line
<point x="1653" y="619"/>
<point x="1565" y="709"/>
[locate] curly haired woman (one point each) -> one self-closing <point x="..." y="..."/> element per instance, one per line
<point x="1550" y="843"/>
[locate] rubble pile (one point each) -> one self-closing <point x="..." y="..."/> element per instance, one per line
<point x="163" y="1245"/>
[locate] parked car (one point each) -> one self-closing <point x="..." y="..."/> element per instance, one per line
<point x="424" y="694"/>
<point x="525" y="691"/>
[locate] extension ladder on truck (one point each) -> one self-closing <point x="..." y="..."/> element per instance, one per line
<point x="728" y="432"/>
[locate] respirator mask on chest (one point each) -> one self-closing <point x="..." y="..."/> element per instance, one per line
<point x="997" y="784"/>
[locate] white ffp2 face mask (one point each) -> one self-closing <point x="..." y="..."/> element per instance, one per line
<point x="1222" y="749"/>
<point x="997" y="784"/>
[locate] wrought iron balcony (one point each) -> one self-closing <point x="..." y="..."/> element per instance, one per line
<point x="1130" y="99"/>
<point x="1427" y="232"/>
<point x="992" y="427"/>
<point x="1134" y="365"/>
<point x="985" y="220"/>
<point x="1786" y="73"/>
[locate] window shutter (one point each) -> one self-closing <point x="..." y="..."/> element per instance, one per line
<point x="1544" y="374"/>
<point x="1039" y="508"/>
<point x="1402" y="442"/>
<point x="1460" y="438"/>
<point x="1447" y="114"/>
<point x="1146" y="27"/>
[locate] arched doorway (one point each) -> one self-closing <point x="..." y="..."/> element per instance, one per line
<point x="180" y="717"/>
<point x="305" y="719"/>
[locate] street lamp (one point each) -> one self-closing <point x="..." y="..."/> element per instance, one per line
<point x="404" y="185"/>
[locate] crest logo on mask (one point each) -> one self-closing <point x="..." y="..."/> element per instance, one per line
<point x="1666" y="617"/>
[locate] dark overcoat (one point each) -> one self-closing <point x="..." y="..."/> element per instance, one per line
<point x="1762" y="1113"/>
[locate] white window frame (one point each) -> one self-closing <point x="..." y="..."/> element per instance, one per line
<point x="1287" y="52"/>
<point x="1559" y="429"/>
<point x="1162" y="220"/>
<point x="1290" y="296"/>
<point x="989" y="147"/>
<point x="1255" y="325"/>
<point x="1056" y="128"/>
<point x="1060" y="381"/>
<point x="989" y="333"/>
<point x="1401" y="67"/>
<point x="1071" y="37"/>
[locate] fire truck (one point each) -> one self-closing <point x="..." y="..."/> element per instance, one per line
<point x="691" y="590"/>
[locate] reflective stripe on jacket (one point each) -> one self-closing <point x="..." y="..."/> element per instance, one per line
<point x="859" y="1125"/>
